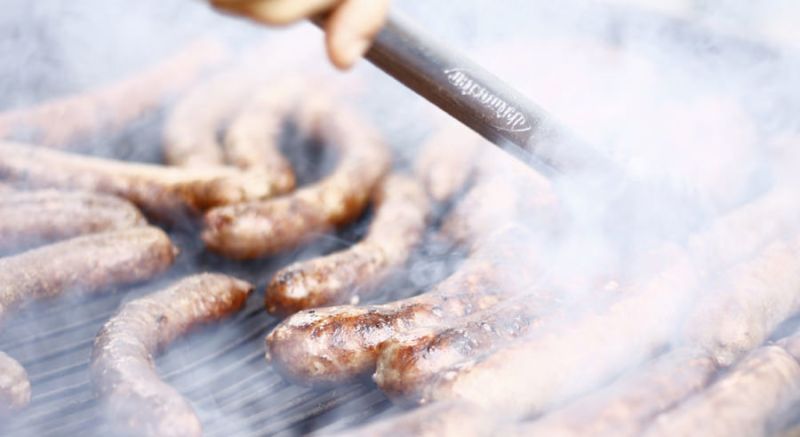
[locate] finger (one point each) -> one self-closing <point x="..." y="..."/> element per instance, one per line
<point x="275" y="12"/>
<point x="351" y="28"/>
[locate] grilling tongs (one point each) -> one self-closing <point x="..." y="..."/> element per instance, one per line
<point x="480" y="100"/>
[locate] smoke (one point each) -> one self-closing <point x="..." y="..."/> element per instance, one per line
<point x="702" y="124"/>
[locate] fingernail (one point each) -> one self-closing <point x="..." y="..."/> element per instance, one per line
<point x="355" y="50"/>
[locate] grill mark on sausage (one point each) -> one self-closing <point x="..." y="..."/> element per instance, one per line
<point x="123" y="368"/>
<point x="32" y="218"/>
<point x="254" y="229"/>
<point x="62" y="121"/>
<point x="163" y="192"/>
<point x="398" y="225"/>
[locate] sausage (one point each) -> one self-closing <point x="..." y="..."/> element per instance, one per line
<point x="771" y="216"/>
<point x="252" y="140"/>
<point x="33" y="218"/>
<point x="442" y="419"/>
<point x="330" y="345"/>
<point x="163" y="192"/>
<point x="763" y="385"/>
<point x="192" y="127"/>
<point x="87" y="263"/>
<point x="254" y="229"/>
<point x="504" y="191"/>
<point x="334" y="344"/>
<point x="626" y="407"/>
<point x="407" y="363"/>
<point x="535" y="372"/>
<point x="15" y="389"/>
<point x="447" y="160"/>
<point x="398" y="225"/>
<point x="122" y="366"/>
<point x="749" y="301"/>
<point x="68" y="119"/>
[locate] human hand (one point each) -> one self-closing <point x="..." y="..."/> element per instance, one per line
<point x="349" y="28"/>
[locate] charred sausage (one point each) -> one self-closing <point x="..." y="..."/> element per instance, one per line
<point x="401" y="210"/>
<point x="334" y="344"/>
<point x="122" y="360"/>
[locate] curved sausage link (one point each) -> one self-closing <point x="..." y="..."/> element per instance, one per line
<point x="122" y="366"/>
<point x="398" y="225"/>
<point x="15" y="389"/>
<point x="164" y="192"/>
<point x="33" y="218"/>
<point x="254" y="229"/>
<point x="62" y="121"/>
<point x="252" y="140"/>
<point x="192" y="127"/>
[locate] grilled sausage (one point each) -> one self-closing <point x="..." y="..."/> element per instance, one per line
<point x="398" y="225"/>
<point x="748" y="303"/>
<point x="442" y="419"/>
<point x="252" y="140"/>
<point x="192" y="127"/>
<point x="626" y="407"/>
<point x="86" y="264"/>
<point x="64" y="120"/>
<point x="32" y="218"/>
<point x="15" y="389"/>
<point x="551" y="366"/>
<point x="254" y="229"/>
<point x="407" y="363"/>
<point x="741" y="402"/>
<point x="771" y="216"/>
<point x="447" y="161"/>
<point x="122" y="360"/>
<point x="163" y="192"/>
<point x="334" y="344"/>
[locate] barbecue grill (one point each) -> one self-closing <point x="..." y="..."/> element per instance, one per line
<point x="221" y="369"/>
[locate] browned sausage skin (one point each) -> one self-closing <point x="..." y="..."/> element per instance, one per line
<point x="401" y="211"/>
<point x="15" y="389"/>
<point x="33" y="218"/>
<point x="122" y="360"/>
<point x="254" y="229"/>
<point x="334" y="344"/>
<point x="407" y="363"/>
<point x="64" y="120"/>
<point x="160" y="191"/>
